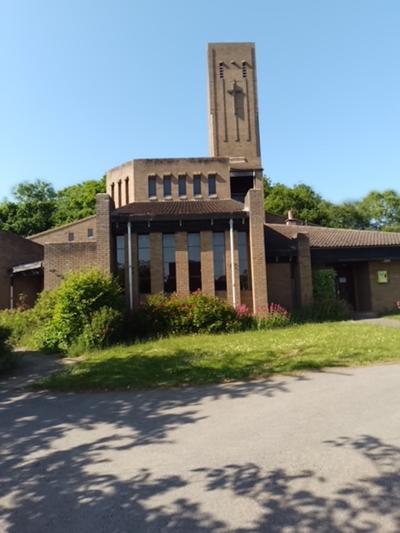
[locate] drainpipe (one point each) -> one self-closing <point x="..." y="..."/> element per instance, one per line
<point x="130" y="283"/>
<point x="11" y="292"/>
<point x="232" y="262"/>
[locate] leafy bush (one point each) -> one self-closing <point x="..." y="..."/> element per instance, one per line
<point x="324" y="284"/>
<point x="7" y="358"/>
<point x="323" y="311"/>
<point x="103" y="328"/>
<point x="272" y="316"/>
<point x="71" y="308"/>
<point x="198" y="313"/>
<point x="18" y="323"/>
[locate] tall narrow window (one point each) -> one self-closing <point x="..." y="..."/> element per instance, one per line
<point x="194" y="255"/>
<point x="244" y="69"/>
<point x="113" y="191"/>
<point x="244" y="273"/>
<point x="144" y="264"/>
<point x="197" y="185"/>
<point x="182" y="185"/>
<point x="167" y="186"/>
<point x="120" y="258"/>
<point x="152" y="187"/>
<point x="212" y="184"/>
<point x="221" y="70"/>
<point x="119" y="193"/>
<point x="127" y="190"/>
<point x="219" y="261"/>
<point x="169" y="263"/>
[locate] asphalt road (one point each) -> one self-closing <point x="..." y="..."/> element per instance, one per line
<point x="319" y="452"/>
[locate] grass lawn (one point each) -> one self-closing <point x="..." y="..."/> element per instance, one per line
<point x="216" y="358"/>
<point x="396" y="317"/>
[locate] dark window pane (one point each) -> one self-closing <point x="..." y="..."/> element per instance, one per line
<point x="120" y="257"/>
<point x="182" y="185"/>
<point x="194" y="254"/>
<point x="212" y="184"/>
<point x="144" y="264"/>
<point x="219" y="261"/>
<point x="152" y="186"/>
<point x="71" y="236"/>
<point x="245" y="282"/>
<point x="169" y="263"/>
<point x="167" y="185"/>
<point x="196" y="184"/>
<point x="90" y="233"/>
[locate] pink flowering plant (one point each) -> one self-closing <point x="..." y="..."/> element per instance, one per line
<point x="272" y="316"/>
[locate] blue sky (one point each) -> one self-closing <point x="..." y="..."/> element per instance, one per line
<point x="86" y="85"/>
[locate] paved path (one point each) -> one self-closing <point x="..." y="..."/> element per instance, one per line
<point x="320" y="452"/>
<point x="383" y="321"/>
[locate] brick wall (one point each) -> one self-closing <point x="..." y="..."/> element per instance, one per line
<point x="14" y="250"/>
<point x="254" y="201"/>
<point x="207" y="263"/>
<point x="280" y="284"/>
<point x="61" y="258"/>
<point x="79" y="230"/>
<point x="138" y="171"/>
<point x="304" y="271"/>
<point x="384" y="295"/>
<point x="156" y="263"/>
<point x="105" y="240"/>
<point x="182" y="266"/>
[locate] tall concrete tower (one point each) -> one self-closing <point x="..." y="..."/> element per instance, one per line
<point x="232" y="105"/>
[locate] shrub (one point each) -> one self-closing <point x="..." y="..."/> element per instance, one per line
<point x="272" y="316"/>
<point x="103" y="328"/>
<point x="72" y="306"/>
<point x="323" y="311"/>
<point x="324" y="284"/>
<point x="7" y="358"/>
<point x="198" y="313"/>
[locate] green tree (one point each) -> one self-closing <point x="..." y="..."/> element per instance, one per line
<point x="382" y="209"/>
<point x="77" y="201"/>
<point x="305" y="203"/>
<point x="346" y="215"/>
<point x="31" y="209"/>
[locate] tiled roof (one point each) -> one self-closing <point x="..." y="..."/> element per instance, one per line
<point x="182" y="208"/>
<point x="321" y="237"/>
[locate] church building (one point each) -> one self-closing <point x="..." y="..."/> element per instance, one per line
<point x="188" y="224"/>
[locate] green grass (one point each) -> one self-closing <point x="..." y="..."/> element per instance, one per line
<point x="217" y="358"/>
<point x="395" y="316"/>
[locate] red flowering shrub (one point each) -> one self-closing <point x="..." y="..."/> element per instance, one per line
<point x="272" y="316"/>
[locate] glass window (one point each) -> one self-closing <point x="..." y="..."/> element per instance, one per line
<point x="244" y="274"/>
<point x="169" y="263"/>
<point x="120" y="251"/>
<point x="119" y="193"/>
<point x="71" y="236"/>
<point x="127" y="190"/>
<point x="182" y="185"/>
<point x="120" y="257"/>
<point x="167" y="185"/>
<point x="152" y="186"/>
<point x="194" y="254"/>
<point x="90" y="233"/>
<point x="144" y="264"/>
<point x="219" y="261"/>
<point x="212" y="184"/>
<point x="196" y="184"/>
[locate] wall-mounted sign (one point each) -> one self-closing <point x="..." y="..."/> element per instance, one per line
<point x="382" y="276"/>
